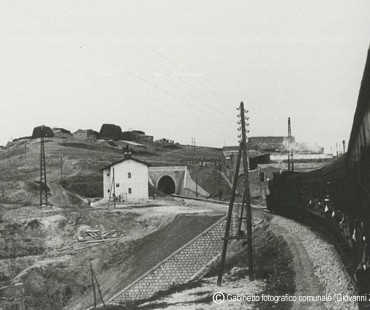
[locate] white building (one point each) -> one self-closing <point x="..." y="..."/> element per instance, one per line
<point x="127" y="179"/>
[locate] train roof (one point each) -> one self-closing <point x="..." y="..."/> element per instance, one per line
<point x="362" y="104"/>
<point x="335" y="167"/>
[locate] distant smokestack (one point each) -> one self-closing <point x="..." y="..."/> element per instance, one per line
<point x="344" y="146"/>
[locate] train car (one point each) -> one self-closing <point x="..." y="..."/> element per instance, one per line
<point x="279" y="191"/>
<point x="339" y="192"/>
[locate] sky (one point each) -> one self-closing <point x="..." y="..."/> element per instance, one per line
<point x="179" y="69"/>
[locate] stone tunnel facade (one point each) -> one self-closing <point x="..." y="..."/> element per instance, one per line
<point x="175" y="180"/>
<point x="170" y="179"/>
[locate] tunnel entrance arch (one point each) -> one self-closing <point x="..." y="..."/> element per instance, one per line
<point x="166" y="185"/>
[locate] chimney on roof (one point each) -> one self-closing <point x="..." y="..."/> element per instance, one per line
<point x="127" y="152"/>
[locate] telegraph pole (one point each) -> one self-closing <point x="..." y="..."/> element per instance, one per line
<point x="243" y="149"/>
<point x="229" y="217"/>
<point x="61" y="166"/>
<point x="219" y="181"/>
<point x="114" y="189"/>
<point x="246" y="191"/>
<point x="290" y="150"/>
<point x="43" y="186"/>
<point x="289" y="133"/>
<point x="196" y="183"/>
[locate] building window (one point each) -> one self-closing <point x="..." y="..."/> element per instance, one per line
<point x="129" y="175"/>
<point x="129" y="190"/>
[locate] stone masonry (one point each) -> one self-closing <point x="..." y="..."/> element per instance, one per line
<point x="187" y="263"/>
<point x="182" y="266"/>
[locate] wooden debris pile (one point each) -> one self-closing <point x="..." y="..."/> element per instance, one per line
<point x="98" y="235"/>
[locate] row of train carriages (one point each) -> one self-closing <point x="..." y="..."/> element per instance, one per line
<point x="339" y="192"/>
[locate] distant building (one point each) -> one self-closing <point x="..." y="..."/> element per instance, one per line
<point x="164" y="141"/>
<point x="62" y="133"/>
<point x="22" y="138"/>
<point x="42" y="131"/>
<point x="269" y="143"/>
<point x="127" y="178"/>
<point x="88" y="134"/>
<point x="136" y="136"/>
<point x="110" y="132"/>
<point x="231" y="155"/>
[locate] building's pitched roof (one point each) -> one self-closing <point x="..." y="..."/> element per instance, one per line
<point x="124" y="159"/>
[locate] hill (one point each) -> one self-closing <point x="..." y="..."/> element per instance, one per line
<point x="73" y="166"/>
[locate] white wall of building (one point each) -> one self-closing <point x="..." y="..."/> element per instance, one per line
<point x="131" y="180"/>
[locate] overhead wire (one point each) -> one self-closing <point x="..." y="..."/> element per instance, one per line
<point x="128" y="72"/>
<point x="154" y="85"/>
<point x="157" y="108"/>
<point x="176" y="66"/>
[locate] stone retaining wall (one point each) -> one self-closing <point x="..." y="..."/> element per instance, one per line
<point x="182" y="266"/>
<point x="187" y="263"/>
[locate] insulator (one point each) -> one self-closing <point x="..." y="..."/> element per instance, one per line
<point x="239" y="136"/>
<point x="246" y="111"/>
<point x="247" y="124"/>
<point x="239" y="123"/>
<point x="333" y="214"/>
<point x="326" y="209"/>
<point x="239" y="129"/>
<point x="247" y="118"/>
<point x="364" y="266"/>
<point x="354" y="235"/>
<point x="247" y="131"/>
<point x="364" y="238"/>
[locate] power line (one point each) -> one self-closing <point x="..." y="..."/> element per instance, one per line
<point x="139" y="77"/>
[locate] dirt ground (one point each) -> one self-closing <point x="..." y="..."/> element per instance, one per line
<point x="40" y="247"/>
<point x="282" y="266"/>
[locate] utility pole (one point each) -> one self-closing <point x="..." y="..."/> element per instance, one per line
<point x="193" y="145"/>
<point x="112" y="189"/>
<point x="247" y="193"/>
<point x="25" y="148"/>
<point x="290" y="150"/>
<point x="229" y="217"/>
<point x="290" y="146"/>
<point x="243" y="149"/>
<point x="288" y="143"/>
<point x="344" y="146"/>
<point x="219" y="181"/>
<point x="196" y="183"/>
<point x="43" y="186"/>
<point x="93" y="283"/>
<point x="61" y="167"/>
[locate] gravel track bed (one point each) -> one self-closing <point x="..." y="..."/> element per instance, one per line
<point x="326" y="262"/>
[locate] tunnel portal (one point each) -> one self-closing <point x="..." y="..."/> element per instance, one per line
<point x="167" y="185"/>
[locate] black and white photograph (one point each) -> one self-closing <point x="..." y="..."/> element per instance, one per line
<point x="184" y="154"/>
